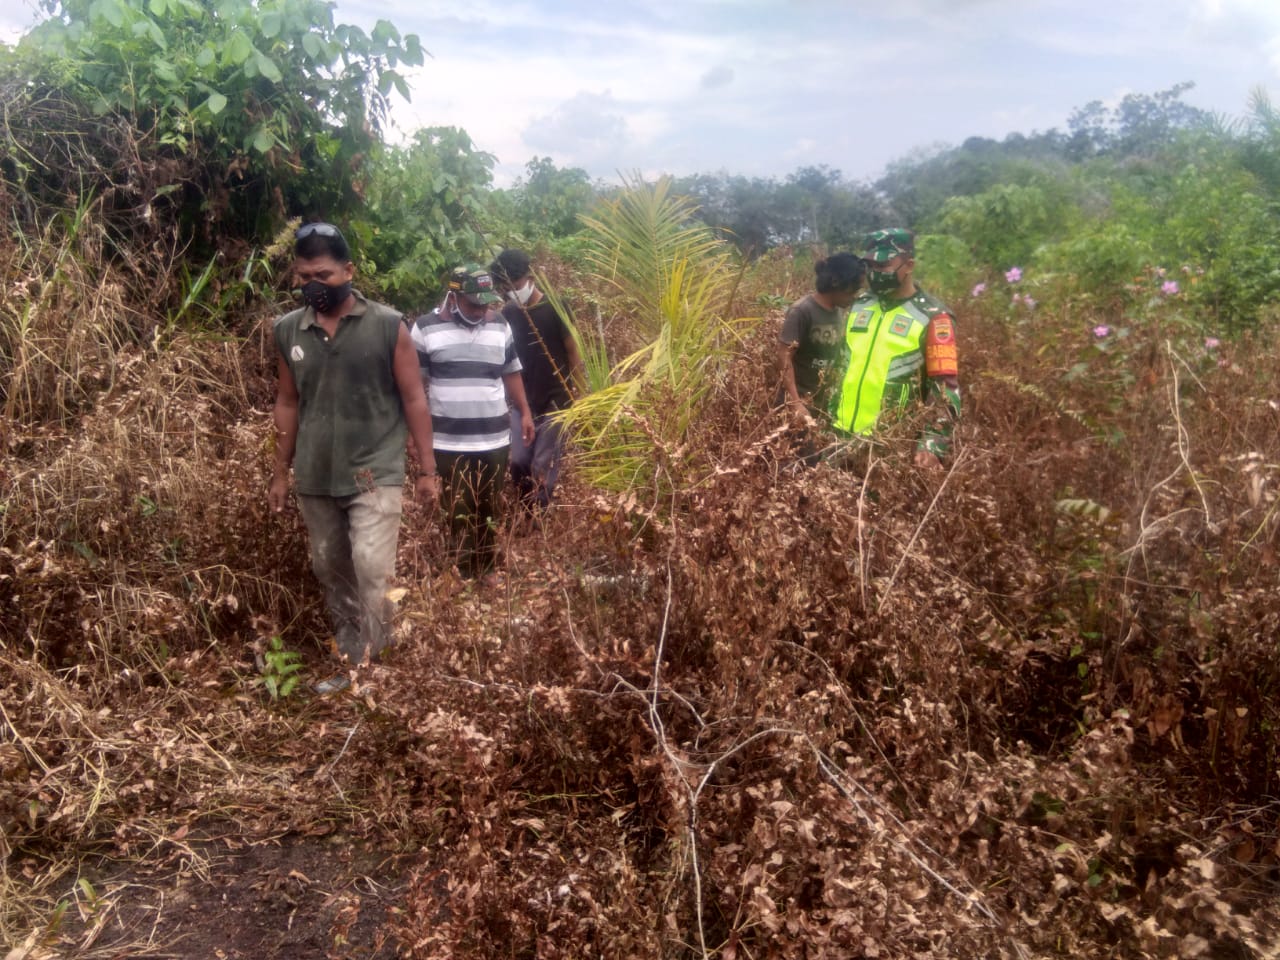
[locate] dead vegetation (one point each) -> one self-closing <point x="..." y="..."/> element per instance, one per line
<point x="1027" y="709"/>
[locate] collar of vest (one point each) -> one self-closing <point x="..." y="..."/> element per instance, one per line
<point x="891" y="303"/>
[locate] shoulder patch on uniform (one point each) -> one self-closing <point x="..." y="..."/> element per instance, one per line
<point x="940" y="347"/>
<point x="296" y="353"/>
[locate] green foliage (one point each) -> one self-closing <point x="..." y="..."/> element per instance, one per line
<point x="426" y="209"/>
<point x="1141" y="125"/>
<point x="1217" y="219"/>
<point x="814" y="205"/>
<point x="1204" y="223"/>
<point x="572" y="249"/>
<point x="1004" y="224"/>
<point x="945" y="265"/>
<point x="261" y="109"/>
<point x="281" y="669"/>
<point x="1260" y="146"/>
<point x="828" y="210"/>
<point x="672" y="277"/>
<point x="918" y="186"/>
<point x="548" y="202"/>
<point x="1098" y="264"/>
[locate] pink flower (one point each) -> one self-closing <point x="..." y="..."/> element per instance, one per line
<point x="1212" y="343"/>
<point x="1030" y="304"/>
<point x="1169" y="288"/>
<point x="1101" y="330"/>
<point x="1013" y="274"/>
<point x="978" y="290"/>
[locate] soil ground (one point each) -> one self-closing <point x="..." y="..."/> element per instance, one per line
<point x="292" y="898"/>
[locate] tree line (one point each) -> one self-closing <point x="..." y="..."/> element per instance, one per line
<point x="205" y="127"/>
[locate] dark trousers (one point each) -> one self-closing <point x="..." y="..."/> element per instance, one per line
<point x="471" y="498"/>
<point x="536" y="466"/>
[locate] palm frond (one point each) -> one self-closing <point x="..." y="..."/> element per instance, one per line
<point x="670" y="276"/>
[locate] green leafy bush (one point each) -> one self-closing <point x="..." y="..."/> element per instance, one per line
<point x="237" y="113"/>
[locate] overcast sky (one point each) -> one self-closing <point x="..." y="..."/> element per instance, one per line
<point x="762" y="87"/>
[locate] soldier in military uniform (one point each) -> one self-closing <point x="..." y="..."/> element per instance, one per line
<point x="901" y="349"/>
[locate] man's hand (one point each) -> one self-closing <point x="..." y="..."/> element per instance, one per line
<point x="527" y="433"/>
<point x="799" y="413"/>
<point x="278" y="492"/>
<point x="426" y="490"/>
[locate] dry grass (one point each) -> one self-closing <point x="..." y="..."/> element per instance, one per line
<point x="776" y="712"/>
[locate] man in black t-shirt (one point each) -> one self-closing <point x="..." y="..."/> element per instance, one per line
<point x="811" y="343"/>
<point x="552" y="372"/>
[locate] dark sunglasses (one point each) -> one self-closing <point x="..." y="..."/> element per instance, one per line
<point x="318" y="229"/>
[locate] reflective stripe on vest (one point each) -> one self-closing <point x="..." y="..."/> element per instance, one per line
<point x="885" y="358"/>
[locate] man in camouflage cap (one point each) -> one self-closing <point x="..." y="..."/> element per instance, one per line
<point x="472" y="374"/>
<point x="901" y="345"/>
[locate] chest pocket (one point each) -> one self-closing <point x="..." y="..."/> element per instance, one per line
<point x="860" y="321"/>
<point x="904" y="329"/>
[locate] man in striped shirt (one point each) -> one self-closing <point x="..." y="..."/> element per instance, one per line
<point x="472" y="375"/>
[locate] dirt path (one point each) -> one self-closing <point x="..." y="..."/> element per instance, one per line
<point x="294" y="898"/>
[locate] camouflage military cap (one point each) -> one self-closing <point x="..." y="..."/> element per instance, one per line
<point x="883" y="245"/>
<point x="474" y="282"/>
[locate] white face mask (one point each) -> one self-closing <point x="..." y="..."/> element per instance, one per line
<point x="459" y="316"/>
<point x="522" y="294"/>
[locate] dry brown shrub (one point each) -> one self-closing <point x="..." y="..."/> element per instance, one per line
<point x="784" y="712"/>
<point x="877" y="724"/>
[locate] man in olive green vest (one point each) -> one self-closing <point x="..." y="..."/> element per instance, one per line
<point x="900" y="349"/>
<point x="347" y="393"/>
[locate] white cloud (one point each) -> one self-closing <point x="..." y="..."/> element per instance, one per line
<point x="17" y="18"/>
<point x="718" y="76"/>
<point x="761" y="86"/>
<point x="588" y="124"/>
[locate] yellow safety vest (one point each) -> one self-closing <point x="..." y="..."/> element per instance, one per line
<point x="886" y="356"/>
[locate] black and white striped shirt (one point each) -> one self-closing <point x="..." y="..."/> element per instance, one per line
<point x="462" y="367"/>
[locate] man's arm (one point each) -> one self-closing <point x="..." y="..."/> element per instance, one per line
<point x="514" y="384"/>
<point x="787" y="370"/>
<point x="417" y="413"/>
<point x="285" y="416"/>
<point x="794" y="328"/>
<point x="577" y="369"/>
<point x="941" y="388"/>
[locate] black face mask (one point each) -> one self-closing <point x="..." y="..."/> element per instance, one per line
<point x="322" y="298"/>
<point x="883" y="283"/>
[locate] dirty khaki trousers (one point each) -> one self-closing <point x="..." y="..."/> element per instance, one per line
<point x="353" y="555"/>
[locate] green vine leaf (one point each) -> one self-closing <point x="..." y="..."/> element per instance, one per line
<point x="238" y="49"/>
<point x="267" y="67"/>
<point x="262" y="140"/>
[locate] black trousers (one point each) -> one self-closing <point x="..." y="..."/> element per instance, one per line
<point x="471" y="496"/>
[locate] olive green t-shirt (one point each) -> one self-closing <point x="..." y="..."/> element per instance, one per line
<point x="351" y="426"/>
